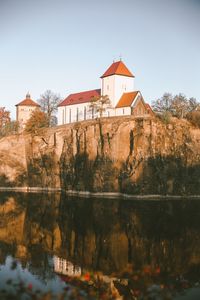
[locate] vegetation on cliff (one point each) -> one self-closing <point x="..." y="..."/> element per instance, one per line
<point x="37" y="120"/>
<point x="177" y="106"/>
<point x="126" y="154"/>
<point x="49" y="105"/>
<point x="7" y="127"/>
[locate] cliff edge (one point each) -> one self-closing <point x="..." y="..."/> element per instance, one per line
<point x="119" y="154"/>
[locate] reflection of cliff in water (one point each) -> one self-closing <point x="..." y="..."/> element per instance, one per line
<point x="106" y="235"/>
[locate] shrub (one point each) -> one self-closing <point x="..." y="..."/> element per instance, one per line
<point x="37" y="120"/>
<point x="194" y="118"/>
<point x="165" y="117"/>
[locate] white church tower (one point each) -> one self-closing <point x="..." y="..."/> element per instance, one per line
<point x="116" y="81"/>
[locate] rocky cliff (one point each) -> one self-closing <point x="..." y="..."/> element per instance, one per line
<point x="128" y="155"/>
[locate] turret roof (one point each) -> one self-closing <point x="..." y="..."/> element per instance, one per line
<point x="27" y="102"/>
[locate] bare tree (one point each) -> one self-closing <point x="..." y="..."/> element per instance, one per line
<point x="180" y="106"/>
<point x="177" y="106"/>
<point x="193" y="104"/>
<point x="164" y="104"/>
<point x="99" y="105"/>
<point x="49" y="102"/>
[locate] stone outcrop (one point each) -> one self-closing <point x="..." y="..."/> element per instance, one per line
<point x="126" y="154"/>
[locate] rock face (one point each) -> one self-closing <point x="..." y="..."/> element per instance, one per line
<point x="136" y="156"/>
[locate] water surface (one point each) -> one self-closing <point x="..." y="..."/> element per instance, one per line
<point x="57" y="234"/>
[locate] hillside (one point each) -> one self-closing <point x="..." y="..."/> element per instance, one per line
<point x="119" y="154"/>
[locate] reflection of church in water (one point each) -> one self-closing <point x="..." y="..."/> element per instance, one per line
<point x="65" y="267"/>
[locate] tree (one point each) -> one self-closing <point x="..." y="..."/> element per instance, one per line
<point x="5" y="122"/>
<point x="164" y="104"/>
<point x="99" y="105"/>
<point x="193" y="104"/>
<point x="9" y="128"/>
<point x="180" y="106"/>
<point x="194" y="117"/>
<point x="177" y="106"/>
<point x="49" y="102"/>
<point x="37" y="120"/>
<point x="4" y="117"/>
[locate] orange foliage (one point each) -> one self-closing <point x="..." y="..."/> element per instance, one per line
<point x="4" y="117"/>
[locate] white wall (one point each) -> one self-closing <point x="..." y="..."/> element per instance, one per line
<point x="64" y="113"/>
<point x="74" y="113"/>
<point x="108" y="87"/>
<point x="123" y="111"/>
<point x="83" y="113"/>
<point x="115" y="85"/>
<point x="24" y="113"/>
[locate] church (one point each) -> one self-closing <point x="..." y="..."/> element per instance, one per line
<point x="117" y="83"/>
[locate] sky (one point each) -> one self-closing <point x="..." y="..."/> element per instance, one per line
<point x="65" y="46"/>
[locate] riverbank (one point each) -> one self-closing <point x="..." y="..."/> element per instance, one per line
<point x="106" y="195"/>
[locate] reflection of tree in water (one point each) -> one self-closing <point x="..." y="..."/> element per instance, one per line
<point x="97" y="234"/>
<point x="40" y="263"/>
<point x="12" y="214"/>
<point x="87" y="227"/>
<point x="30" y="220"/>
<point x="162" y="234"/>
<point x="109" y="234"/>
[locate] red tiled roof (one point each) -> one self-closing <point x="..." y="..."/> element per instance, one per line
<point x="117" y="68"/>
<point x="148" y="106"/>
<point x="81" y="97"/>
<point x="27" y="102"/>
<point x="127" y="99"/>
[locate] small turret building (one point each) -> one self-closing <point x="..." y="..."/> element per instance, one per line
<point x="24" y="110"/>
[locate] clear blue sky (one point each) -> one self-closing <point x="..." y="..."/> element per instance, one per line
<point x="66" y="45"/>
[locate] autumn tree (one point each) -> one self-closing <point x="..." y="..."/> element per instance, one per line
<point x="4" y="117"/>
<point x="178" y="106"/>
<point x="38" y="120"/>
<point x="6" y="127"/>
<point x="99" y="105"/>
<point x="194" y="117"/>
<point x="9" y="128"/>
<point x="48" y="103"/>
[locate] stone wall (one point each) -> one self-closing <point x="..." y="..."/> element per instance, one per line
<point x="126" y="154"/>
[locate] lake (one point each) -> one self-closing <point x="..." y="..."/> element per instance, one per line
<point x="54" y="234"/>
